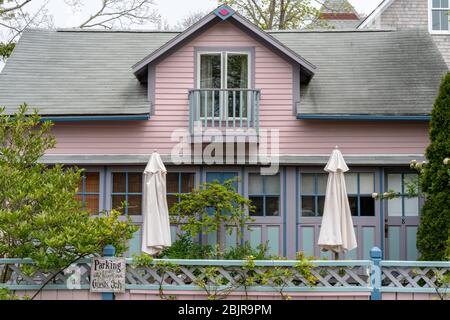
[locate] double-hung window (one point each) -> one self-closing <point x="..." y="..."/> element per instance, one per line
<point x="127" y="187"/>
<point x="89" y="192"/>
<point x="264" y="192"/>
<point x="223" y="80"/>
<point x="439" y="16"/>
<point x="178" y="183"/>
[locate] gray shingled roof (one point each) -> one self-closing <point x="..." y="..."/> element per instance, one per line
<point x="358" y="72"/>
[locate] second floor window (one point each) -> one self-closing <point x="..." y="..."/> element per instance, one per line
<point x="127" y="187"/>
<point x="224" y="78"/>
<point x="440" y="15"/>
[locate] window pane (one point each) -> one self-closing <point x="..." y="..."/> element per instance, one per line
<point x="92" y="181"/>
<point x="436" y="3"/>
<point x="366" y="183"/>
<point x="307" y="183"/>
<point x="367" y="206"/>
<point x="187" y="182"/>
<point x="436" y="19"/>
<point x="395" y="182"/>
<point x="134" y="205"/>
<point x="321" y="204"/>
<point x="353" y="202"/>
<point x="171" y="200"/>
<point x="79" y="198"/>
<point x="258" y="204"/>
<point x="308" y="206"/>
<point x="118" y="182"/>
<point x="210" y="71"/>
<point x="395" y="207"/>
<point x="272" y="184"/>
<point x="91" y="204"/>
<point x="444" y="20"/>
<point x="255" y="184"/>
<point x="322" y="180"/>
<point x="237" y="71"/>
<point x="412" y="207"/>
<point x="272" y="206"/>
<point x="135" y="182"/>
<point x="351" y="183"/>
<point x="172" y="183"/>
<point x="117" y="202"/>
<point x="444" y="4"/>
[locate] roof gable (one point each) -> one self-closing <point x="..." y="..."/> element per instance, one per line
<point x="223" y="13"/>
<point x="383" y="6"/>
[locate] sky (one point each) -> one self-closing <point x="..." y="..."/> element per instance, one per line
<point x="171" y="11"/>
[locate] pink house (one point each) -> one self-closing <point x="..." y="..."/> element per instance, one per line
<point x="116" y="96"/>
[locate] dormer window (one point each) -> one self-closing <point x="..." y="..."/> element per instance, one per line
<point x="439" y="16"/>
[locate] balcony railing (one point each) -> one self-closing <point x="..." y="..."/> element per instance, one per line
<point x="224" y="109"/>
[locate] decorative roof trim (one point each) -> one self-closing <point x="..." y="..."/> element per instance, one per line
<point x="308" y="67"/>
<point x="375" y="13"/>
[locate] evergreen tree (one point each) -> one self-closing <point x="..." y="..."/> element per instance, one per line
<point x="433" y="233"/>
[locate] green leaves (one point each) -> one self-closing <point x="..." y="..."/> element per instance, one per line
<point x="211" y="207"/>
<point x="39" y="215"/>
<point x="434" y="229"/>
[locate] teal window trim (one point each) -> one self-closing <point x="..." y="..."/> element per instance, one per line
<point x="126" y="193"/>
<point x="83" y="192"/>
<point x="264" y="195"/>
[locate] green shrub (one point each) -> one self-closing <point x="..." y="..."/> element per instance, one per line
<point x="433" y="232"/>
<point x="246" y="250"/>
<point x="185" y="248"/>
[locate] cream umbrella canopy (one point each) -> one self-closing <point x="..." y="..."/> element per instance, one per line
<point x="337" y="233"/>
<point x="156" y="226"/>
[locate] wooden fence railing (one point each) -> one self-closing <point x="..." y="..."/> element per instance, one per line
<point x="374" y="276"/>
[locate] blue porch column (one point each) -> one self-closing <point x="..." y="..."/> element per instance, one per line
<point x="375" y="275"/>
<point x="108" y="251"/>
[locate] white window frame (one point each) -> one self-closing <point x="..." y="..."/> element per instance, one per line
<point x="224" y="73"/>
<point x="430" y="20"/>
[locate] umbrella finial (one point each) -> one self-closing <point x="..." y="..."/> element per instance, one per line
<point x="336" y="147"/>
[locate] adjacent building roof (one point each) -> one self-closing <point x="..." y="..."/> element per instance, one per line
<point x="339" y="14"/>
<point x="77" y="73"/>
<point x="385" y="4"/>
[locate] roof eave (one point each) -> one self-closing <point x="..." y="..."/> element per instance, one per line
<point x="363" y="117"/>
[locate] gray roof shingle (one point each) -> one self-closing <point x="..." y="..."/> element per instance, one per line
<point x="89" y="72"/>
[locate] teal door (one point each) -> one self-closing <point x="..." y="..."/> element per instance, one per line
<point x="227" y="239"/>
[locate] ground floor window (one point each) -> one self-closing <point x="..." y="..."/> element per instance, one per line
<point x="178" y="183"/>
<point x="360" y="187"/>
<point x="127" y="188"/>
<point x="312" y="193"/>
<point x="402" y="206"/>
<point x="89" y="191"/>
<point x="264" y="192"/>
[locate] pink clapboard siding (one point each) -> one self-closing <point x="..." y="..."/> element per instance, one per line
<point x="273" y="75"/>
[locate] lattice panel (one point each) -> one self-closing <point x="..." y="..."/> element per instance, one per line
<point x="412" y="277"/>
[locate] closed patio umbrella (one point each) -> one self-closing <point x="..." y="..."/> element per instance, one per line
<point x="156" y="226"/>
<point x="336" y="233"/>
